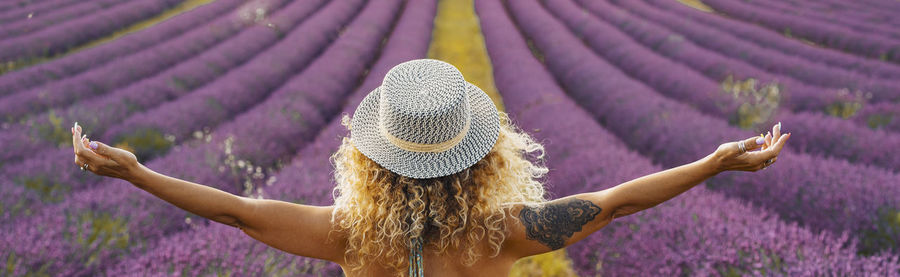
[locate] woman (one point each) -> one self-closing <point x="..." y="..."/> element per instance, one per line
<point x="431" y="174"/>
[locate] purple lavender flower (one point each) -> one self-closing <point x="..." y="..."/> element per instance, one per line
<point x="652" y="125"/>
<point x="59" y="38"/>
<point x="700" y="233"/>
<point x="22" y="79"/>
<point x="307" y="180"/>
<point x="830" y="36"/>
<point x="93" y="228"/>
<point x="58" y="16"/>
<point x="677" y="81"/>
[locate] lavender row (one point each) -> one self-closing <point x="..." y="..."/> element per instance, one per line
<point x="100" y="111"/>
<point x="95" y="56"/>
<point x="797" y="96"/>
<point x="768" y="60"/>
<point x="58" y="16"/>
<point x="237" y="91"/>
<point x="123" y="71"/>
<point x="15" y="12"/>
<point x="848" y="9"/>
<point x="712" y="64"/>
<point x="306" y="180"/>
<point x="856" y="24"/>
<point x="851" y="11"/>
<point x="845" y="140"/>
<point x="205" y="163"/>
<point x="54" y="40"/>
<point x="698" y="233"/>
<point x="837" y="37"/>
<point x="41" y="169"/>
<point x="885" y="6"/>
<point x="766" y="38"/>
<point x="841" y="8"/>
<point x="672" y="134"/>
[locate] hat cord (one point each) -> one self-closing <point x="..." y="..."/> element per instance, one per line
<point x="425" y="147"/>
<point x="416" y="269"/>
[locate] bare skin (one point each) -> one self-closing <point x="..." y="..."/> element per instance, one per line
<point x="307" y="230"/>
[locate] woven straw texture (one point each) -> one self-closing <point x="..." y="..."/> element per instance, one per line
<point x="425" y="121"/>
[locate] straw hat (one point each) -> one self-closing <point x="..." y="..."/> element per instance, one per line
<point x="425" y="121"/>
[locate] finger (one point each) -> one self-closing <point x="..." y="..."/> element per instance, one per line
<point x="76" y="137"/>
<point x="115" y="154"/>
<point x="752" y="143"/>
<point x="772" y="152"/>
<point x="776" y="130"/>
<point x="85" y="154"/>
<point x="85" y="140"/>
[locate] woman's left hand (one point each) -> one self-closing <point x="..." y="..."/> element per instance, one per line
<point x="738" y="155"/>
<point x="102" y="159"/>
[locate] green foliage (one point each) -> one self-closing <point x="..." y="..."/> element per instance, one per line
<point x="849" y="105"/>
<point x="768" y="264"/>
<point x="535" y="51"/>
<point x="145" y="143"/>
<point x="55" y="131"/>
<point x="49" y="191"/>
<point x="886" y="232"/>
<point x="98" y="230"/>
<point x="758" y="102"/>
<point x="875" y="121"/>
<point x="179" y="84"/>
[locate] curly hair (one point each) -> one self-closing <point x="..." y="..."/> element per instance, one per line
<point x="380" y="212"/>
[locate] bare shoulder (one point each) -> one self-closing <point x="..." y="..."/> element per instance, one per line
<point x="535" y="229"/>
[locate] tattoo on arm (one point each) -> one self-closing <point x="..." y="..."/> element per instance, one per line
<point x="554" y="223"/>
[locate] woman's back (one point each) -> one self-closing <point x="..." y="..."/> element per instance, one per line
<point x="447" y="264"/>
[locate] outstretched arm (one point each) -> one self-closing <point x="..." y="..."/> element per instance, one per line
<point x="294" y="228"/>
<point x="561" y="222"/>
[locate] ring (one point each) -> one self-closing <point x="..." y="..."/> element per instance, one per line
<point x="742" y="147"/>
<point x="767" y="163"/>
<point x="83" y="167"/>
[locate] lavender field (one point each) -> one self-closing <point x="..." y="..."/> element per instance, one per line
<point x="247" y="95"/>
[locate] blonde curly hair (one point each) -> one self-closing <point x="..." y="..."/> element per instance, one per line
<point x="380" y="212"/>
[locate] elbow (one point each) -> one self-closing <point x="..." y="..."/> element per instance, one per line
<point x="233" y="217"/>
<point x="228" y="219"/>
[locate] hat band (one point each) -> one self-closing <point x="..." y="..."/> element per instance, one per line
<point x="422" y="147"/>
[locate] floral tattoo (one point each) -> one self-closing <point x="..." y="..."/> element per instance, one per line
<point x="554" y="223"/>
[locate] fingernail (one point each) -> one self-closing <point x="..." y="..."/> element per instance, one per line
<point x="93" y="145"/>
<point x="760" y="141"/>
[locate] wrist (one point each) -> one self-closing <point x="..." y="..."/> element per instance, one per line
<point x="138" y="174"/>
<point x="711" y="165"/>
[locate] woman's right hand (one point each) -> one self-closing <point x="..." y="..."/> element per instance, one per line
<point x="729" y="156"/>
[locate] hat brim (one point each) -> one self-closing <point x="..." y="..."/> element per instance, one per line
<point x="481" y="137"/>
